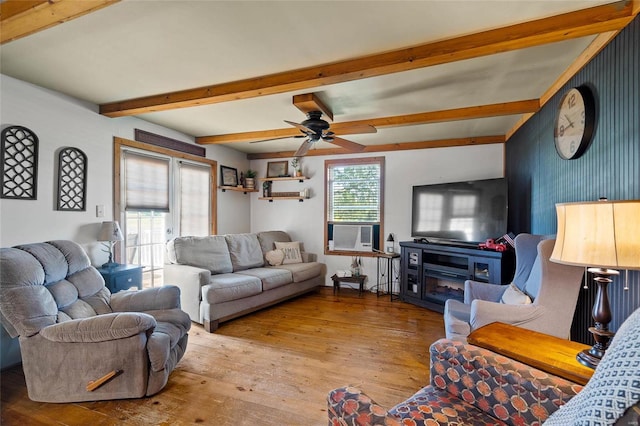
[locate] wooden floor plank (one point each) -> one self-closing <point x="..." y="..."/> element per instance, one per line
<point x="272" y="367"/>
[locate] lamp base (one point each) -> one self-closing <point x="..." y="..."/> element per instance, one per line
<point x="589" y="359"/>
<point x="602" y="316"/>
<point x="110" y="265"/>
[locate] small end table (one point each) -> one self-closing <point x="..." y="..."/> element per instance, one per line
<point x="360" y="279"/>
<point x="122" y="277"/>
<point x="385" y="272"/>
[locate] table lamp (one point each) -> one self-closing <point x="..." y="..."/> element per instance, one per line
<point x="604" y="236"/>
<point x="110" y="234"/>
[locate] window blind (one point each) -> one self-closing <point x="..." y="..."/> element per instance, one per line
<point x="195" y="190"/>
<point x="354" y="193"/>
<point x="146" y="182"/>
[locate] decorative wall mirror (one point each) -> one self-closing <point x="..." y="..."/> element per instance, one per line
<point x="72" y="179"/>
<point x="19" y="163"/>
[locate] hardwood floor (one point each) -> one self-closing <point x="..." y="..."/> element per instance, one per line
<point x="272" y="367"/>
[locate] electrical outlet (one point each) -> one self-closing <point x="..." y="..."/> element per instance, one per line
<point x="100" y="210"/>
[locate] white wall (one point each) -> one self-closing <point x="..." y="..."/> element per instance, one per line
<point x="403" y="169"/>
<point x="61" y="121"/>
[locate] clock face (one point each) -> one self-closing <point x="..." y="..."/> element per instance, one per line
<point x="574" y="123"/>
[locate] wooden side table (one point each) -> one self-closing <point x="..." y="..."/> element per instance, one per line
<point x="356" y="280"/>
<point x="122" y="277"/>
<point x="547" y="353"/>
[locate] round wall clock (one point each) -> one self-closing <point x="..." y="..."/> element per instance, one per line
<point x="575" y="122"/>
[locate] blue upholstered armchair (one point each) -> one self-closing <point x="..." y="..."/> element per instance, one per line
<point x="542" y="296"/>
<point x="73" y="331"/>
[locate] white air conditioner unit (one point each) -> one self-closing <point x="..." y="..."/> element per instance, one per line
<point x="353" y="237"/>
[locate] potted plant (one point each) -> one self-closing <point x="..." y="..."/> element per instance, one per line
<point x="250" y="179"/>
<point x="295" y="165"/>
<point x="266" y="189"/>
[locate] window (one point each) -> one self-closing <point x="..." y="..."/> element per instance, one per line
<point x="161" y="194"/>
<point x="194" y="193"/>
<point x="354" y="195"/>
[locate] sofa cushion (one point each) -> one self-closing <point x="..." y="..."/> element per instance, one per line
<point x="302" y="271"/>
<point x="226" y="287"/>
<point x="270" y="277"/>
<point x="209" y="252"/>
<point x="267" y="239"/>
<point x="245" y="251"/>
<point x="291" y="252"/>
<point x="440" y="407"/>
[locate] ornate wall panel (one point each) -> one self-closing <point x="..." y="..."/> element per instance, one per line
<point x="19" y="162"/>
<point x="72" y="179"/>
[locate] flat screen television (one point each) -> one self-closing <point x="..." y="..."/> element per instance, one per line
<point x="460" y="212"/>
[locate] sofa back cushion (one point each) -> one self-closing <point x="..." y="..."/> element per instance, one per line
<point x="269" y="238"/>
<point x="209" y="252"/>
<point x="245" y="251"/>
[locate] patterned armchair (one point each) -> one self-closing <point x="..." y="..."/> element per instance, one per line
<point x="474" y="386"/>
<point x="469" y="385"/>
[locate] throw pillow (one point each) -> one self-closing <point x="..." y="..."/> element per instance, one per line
<point x="514" y="296"/>
<point x="291" y="252"/>
<point x="274" y="257"/>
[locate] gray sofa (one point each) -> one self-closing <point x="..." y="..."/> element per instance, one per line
<point x="73" y="331"/>
<point x="222" y="277"/>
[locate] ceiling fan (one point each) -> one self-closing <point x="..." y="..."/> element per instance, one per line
<point x="315" y="129"/>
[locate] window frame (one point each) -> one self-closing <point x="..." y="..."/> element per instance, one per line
<point x="120" y="144"/>
<point x="353" y="162"/>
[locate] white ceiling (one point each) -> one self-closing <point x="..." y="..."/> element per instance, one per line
<point x="138" y="48"/>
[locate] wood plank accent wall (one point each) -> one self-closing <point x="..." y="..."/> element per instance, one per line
<point x="539" y="178"/>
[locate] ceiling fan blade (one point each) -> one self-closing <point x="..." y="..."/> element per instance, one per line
<point x="277" y="139"/>
<point x="304" y="148"/>
<point x="300" y="126"/>
<point x="353" y="129"/>
<point x="351" y="146"/>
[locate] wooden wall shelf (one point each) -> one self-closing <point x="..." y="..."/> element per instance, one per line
<point x="284" y="195"/>
<point x="276" y="179"/>
<point x="237" y="189"/>
<point x="270" y="199"/>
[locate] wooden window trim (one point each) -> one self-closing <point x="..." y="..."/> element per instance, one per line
<point x="120" y="143"/>
<point x="353" y="161"/>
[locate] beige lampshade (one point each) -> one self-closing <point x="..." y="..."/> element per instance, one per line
<point x="110" y="231"/>
<point x="602" y="234"/>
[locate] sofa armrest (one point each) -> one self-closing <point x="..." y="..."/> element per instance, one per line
<point x="483" y="313"/>
<point x="518" y="393"/>
<point x="100" y="328"/>
<point x="478" y="290"/>
<point x="350" y="406"/>
<point x="190" y="280"/>
<point x="309" y="257"/>
<point x="149" y="299"/>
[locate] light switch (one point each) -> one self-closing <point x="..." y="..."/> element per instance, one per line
<point x="100" y="210"/>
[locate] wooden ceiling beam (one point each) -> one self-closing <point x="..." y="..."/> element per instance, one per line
<point x="442" y="143"/>
<point x="310" y="102"/>
<point x="19" y="18"/>
<point x="595" y="20"/>
<point x="467" y="113"/>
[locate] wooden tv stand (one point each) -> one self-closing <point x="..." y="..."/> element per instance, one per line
<point x="433" y="273"/>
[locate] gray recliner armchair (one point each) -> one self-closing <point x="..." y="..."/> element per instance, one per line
<point x="552" y="288"/>
<point x="73" y="331"/>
